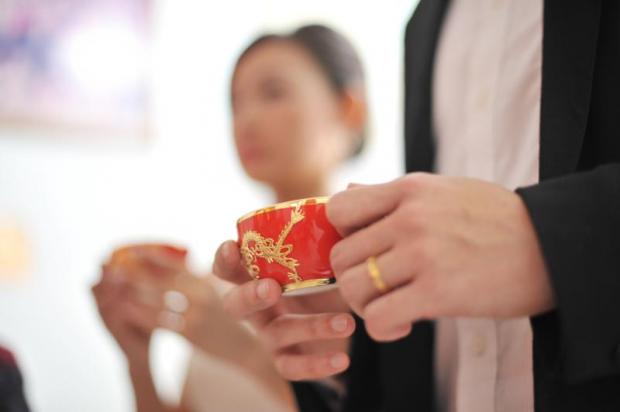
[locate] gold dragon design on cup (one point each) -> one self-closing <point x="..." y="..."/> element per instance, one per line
<point x="255" y="246"/>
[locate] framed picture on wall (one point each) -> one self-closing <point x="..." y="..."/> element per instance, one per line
<point x="75" y="68"/>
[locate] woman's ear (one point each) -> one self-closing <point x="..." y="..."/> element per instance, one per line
<point x="355" y="114"/>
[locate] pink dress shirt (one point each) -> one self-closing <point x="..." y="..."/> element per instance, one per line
<point x="486" y="106"/>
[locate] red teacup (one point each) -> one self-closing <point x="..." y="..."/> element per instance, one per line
<point x="289" y="242"/>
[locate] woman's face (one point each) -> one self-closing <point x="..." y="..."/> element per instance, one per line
<point x="288" y="120"/>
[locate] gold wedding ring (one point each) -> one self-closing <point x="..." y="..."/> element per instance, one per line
<point x="375" y="274"/>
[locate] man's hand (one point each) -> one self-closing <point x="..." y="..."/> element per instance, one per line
<point x="445" y="247"/>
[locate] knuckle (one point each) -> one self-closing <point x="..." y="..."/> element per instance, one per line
<point x="413" y="184"/>
<point x="419" y="178"/>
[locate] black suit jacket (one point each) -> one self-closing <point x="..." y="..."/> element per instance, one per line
<point x="575" y="210"/>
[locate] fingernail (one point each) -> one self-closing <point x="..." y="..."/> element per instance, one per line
<point x="338" y="361"/>
<point x="262" y="290"/>
<point x="339" y="323"/>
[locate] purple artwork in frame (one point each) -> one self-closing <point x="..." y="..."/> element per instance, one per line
<point x="75" y="67"/>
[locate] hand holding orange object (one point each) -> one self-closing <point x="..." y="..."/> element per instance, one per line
<point x="166" y="295"/>
<point x="118" y="296"/>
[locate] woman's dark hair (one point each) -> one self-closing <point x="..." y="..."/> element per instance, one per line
<point x="332" y="51"/>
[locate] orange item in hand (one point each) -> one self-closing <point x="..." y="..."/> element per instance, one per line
<point x="129" y="257"/>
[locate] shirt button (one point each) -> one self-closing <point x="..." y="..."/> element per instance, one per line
<point x="479" y="345"/>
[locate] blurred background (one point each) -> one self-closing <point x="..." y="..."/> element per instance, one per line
<point x="115" y="127"/>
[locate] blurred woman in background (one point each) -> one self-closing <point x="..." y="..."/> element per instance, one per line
<point x="299" y="112"/>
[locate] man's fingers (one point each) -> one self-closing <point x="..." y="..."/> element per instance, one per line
<point x="358" y="207"/>
<point x="288" y="330"/>
<point x="356" y="248"/>
<point x="311" y="367"/>
<point x="228" y="265"/>
<point x="358" y="288"/>
<point x="247" y="299"/>
<point x="389" y="316"/>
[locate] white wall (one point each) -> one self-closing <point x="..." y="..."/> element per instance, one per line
<point x="76" y="200"/>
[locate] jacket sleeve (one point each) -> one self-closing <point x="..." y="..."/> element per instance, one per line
<point x="577" y="220"/>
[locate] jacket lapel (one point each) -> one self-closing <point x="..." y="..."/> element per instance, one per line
<point x="569" y="50"/>
<point x="420" y="42"/>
